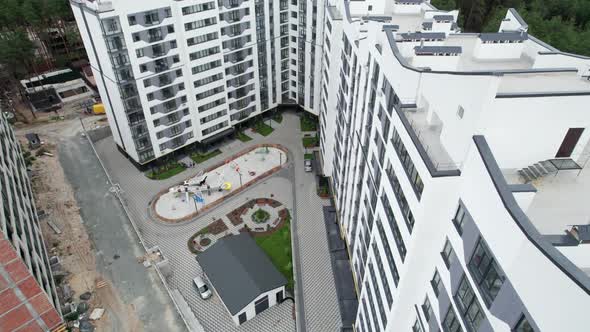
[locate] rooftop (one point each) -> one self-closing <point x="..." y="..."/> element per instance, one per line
<point x="23" y="304"/>
<point x="239" y="271"/>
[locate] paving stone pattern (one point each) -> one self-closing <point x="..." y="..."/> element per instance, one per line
<point x="315" y="287"/>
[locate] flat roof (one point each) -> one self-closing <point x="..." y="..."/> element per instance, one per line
<point x="239" y="270"/>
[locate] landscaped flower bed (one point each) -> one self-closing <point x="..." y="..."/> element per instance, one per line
<point x="205" y="241"/>
<point x="217" y="227"/>
<point x="260" y="216"/>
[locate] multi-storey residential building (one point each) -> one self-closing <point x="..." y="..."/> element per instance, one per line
<point x="19" y="223"/>
<point x="456" y="161"/>
<point x="172" y="73"/>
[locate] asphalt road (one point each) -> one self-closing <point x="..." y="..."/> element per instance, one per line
<point x="116" y="244"/>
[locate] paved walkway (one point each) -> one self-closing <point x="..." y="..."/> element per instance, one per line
<point x="316" y="292"/>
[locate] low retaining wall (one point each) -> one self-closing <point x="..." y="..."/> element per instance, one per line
<point x="215" y="203"/>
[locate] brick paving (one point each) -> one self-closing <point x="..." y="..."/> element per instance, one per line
<point x="315" y="289"/>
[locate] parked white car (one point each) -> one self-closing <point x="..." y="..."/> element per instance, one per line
<point x="307" y="165"/>
<point x="202" y="288"/>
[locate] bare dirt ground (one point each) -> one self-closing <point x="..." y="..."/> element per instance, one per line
<point x="55" y="196"/>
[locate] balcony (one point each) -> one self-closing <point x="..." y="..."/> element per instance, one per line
<point x="425" y="131"/>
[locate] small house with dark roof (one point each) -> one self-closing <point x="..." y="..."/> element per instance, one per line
<point x="243" y="276"/>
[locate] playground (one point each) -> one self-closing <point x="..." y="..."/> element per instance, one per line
<point x="212" y="186"/>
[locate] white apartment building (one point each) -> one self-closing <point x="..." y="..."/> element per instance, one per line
<point x="19" y="222"/>
<point x="456" y="159"/>
<point x="175" y="72"/>
<point x="457" y="163"/>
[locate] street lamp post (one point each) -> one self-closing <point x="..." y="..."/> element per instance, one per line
<point x="240" y="174"/>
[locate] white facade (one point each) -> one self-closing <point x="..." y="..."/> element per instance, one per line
<point x="249" y="311"/>
<point x="429" y="147"/>
<point x="172" y="73"/>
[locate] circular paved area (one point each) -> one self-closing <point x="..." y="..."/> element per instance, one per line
<point x="217" y="183"/>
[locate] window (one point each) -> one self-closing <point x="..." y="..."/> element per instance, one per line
<point x="451" y="323"/>
<point x="427" y="309"/>
<point x="459" y="218"/>
<point x="132" y="20"/>
<point x="486" y="272"/>
<point x="435" y="282"/>
<point x="469" y="305"/>
<point x="417" y="327"/>
<point x="447" y="254"/>
<point x="139" y="52"/>
<point x="523" y="325"/>
<point x="170" y="29"/>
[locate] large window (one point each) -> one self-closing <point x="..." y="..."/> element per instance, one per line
<point x="486" y="272"/>
<point x="436" y="282"/>
<point x="417" y="327"/>
<point x="451" y="323"/>
<point x="469" y="305"/>
<point x="459" y="219"/>
<point x="427" y="308"/>
<point x="523" y="325"/>
<point x="448" y="254"/>
<point x="402" y="152"/>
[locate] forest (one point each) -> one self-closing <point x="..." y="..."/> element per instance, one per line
<point x="564" y="24"/>
<point x="26" y="24"/>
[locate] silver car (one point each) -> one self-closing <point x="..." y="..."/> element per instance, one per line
<point x="307" y="165"/>
<point x="202" y="288"/>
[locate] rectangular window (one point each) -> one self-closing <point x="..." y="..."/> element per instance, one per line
<point x="436" y="282"/>
<point x="451" y="323"/>
<point x="469" y="305"/>
<point x="486" y="272"/>
<point x="459" y="219"/>
<point x="448" y="254"/>
<point x="198" y="8"/>
<point x="427" y="309"/>
<point x="417" y="327"/>
<point x="523" y="325"/>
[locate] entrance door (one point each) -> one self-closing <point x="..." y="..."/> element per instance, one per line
<point x="242" y="318"/>
<point x="261" y="305"/>
<point x="279" y="297"/>
<point x="569" y="142"/>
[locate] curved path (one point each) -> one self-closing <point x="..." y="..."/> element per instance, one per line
<point x="316" y="299"/>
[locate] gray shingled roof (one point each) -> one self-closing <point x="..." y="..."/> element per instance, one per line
<point x="497" y="36"/>
<point x="425" y="35"/>
<point x="239" y="271"/>
<point x="437" y="49"/>
<point x="443" y="18"/>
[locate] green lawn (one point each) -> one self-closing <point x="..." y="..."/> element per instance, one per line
<point x="310" y="142"/>
<point x="199" y="158"/>
<point x="165" y="172"/>
<point x="278" y="248"/>
<point x="307" y="123"/>
<point x="263" y="129"/>
<point x="278" y="118"/>
<point x="308" y="156"/>
<point x="243" y="137"/>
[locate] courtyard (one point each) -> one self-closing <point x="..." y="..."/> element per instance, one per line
<point x="308" y="259"/>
